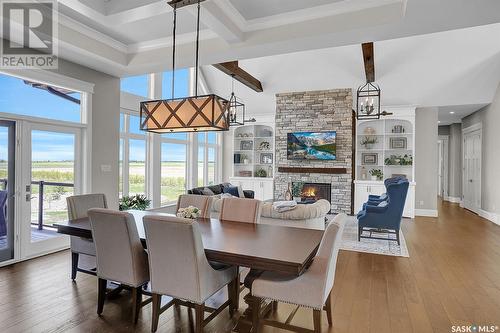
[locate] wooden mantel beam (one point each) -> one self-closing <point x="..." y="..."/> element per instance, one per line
<point x="368" y="58"/>
<point x="231" y="68"/>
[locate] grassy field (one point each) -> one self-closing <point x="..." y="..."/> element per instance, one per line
<point x="172" y="184"/>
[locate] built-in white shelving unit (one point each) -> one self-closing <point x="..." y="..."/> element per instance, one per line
<point x="393" y="153"/>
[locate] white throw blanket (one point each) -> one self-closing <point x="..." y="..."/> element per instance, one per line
<point x="284" y="206"/>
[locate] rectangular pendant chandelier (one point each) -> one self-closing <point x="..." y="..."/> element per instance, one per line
<point x="189" y="114"/>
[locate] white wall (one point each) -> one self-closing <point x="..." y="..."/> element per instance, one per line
<point x="105" y="127"/>
<point x="489" y="116"/>
<point x="426" y="161"/>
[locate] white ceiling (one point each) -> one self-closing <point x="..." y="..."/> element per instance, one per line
<point x="452" y="114"/>
<point x="458" y="70"/>
<point x="128" y="37"/>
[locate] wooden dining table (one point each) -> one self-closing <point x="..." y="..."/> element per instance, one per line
<point x="261" y="247"/>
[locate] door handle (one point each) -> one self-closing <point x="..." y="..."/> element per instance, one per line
<point x="470" y="180"/>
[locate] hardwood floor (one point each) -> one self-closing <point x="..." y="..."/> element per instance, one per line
<point x="451" y="278"/>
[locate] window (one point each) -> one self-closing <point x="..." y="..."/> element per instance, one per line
<point x="208" y="148"/>
<point x="137" y="85"/>
<point x="29" y="98"/>
<point x="174" y="157"/>
<point x="132" y="156"/>
<point x="181" y="84"/>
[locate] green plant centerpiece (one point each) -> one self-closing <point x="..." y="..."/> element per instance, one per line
<point x="399" y="160"/>
<point x="138" y="201"/>
<point x="377" y="173"/>
<point x="369" y="141"/>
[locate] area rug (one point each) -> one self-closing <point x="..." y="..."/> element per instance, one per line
<point x="376" y="246"/>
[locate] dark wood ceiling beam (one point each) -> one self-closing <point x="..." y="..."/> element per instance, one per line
<point x="182" y="3"/>
<point x="368" y="58"/>
<point x="231" y="68"/>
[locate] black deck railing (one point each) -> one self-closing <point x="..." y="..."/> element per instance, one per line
<point x="41" y="191"/>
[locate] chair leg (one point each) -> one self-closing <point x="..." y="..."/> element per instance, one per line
<point x="74" y="265"/>
<point x="156" y="312"/>
<point x="397" y="237"/>
<point x="200" y="317"/>
<point x="256" y="314"/>
<point x="360" y="231"/>
<point x="101" y="295"/>
<point x="328" y="308"/>
<point x="136" y="303"/>
<point x="317" y="321"/>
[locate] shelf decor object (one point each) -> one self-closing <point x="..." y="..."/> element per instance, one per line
<point x="188" y="114"/>
<point x="369" y="159"/>
<point x="397" y="143"/>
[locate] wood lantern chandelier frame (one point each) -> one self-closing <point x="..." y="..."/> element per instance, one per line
<point x="188" y="114"/>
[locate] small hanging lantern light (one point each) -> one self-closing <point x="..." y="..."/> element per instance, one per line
<point x="236" y="108"/>
<point x="368" y="102"/>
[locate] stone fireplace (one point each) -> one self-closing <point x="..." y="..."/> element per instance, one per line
<point x="312" y="111"/>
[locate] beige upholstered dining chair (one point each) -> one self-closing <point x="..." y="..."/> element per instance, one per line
<point x="180" y="269"/>
<point x="312" y="289"/>
<point x="120" y="255"/>
<point x="240" y="210"/>
<point x="202" y="202"/>
<point x="78" y="205"/>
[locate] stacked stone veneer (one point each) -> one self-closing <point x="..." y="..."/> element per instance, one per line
<point x="310" y="111"/>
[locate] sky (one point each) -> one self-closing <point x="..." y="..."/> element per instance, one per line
<point x="18" y="98"/>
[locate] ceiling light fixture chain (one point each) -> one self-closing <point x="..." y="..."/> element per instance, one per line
<point x="197" y="48"/>
<point x="173" y="50"/>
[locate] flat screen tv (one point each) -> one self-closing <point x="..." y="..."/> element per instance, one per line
<point x="312" y="145"/>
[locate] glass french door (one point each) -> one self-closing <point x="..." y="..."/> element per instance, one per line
<point x="51" y="173"/>
<point x="7" y="189"/>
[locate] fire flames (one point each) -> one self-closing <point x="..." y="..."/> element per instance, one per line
<point x="309" y="192"/>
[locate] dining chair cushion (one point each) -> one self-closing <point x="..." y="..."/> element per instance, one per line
<point x="240" y="210"/>
<point x="177" y="261"/>
<point x="202" y="202"/>
<point x="120" y="254"/>
<point x="78" y="205"/>
<point x="310" y="289"/>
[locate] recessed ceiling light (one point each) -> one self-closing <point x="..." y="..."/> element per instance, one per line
<point x="439" y="121"/>
<point x="452" y="112"/>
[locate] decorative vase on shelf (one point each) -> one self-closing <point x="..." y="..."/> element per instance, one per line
<point x="374" y="178"/>
<point x="364" y="174"/>
<point x="288" y="193"/>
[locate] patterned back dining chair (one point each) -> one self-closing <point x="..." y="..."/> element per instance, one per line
<point x="78" y="205"/>
<point x="312" y="289"/>
<point x="120" y="255"/>
<point x="240" y="210"/>
<point x="202" y="202"/>
<point x="180" y="269"/>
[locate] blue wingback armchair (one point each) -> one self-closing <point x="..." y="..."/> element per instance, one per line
<point x="384" y="216"/>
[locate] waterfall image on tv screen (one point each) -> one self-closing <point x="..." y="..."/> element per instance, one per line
<point x="311" y="145"/>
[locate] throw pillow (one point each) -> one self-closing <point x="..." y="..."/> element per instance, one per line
<point x="241" y="194"/>
<point x="233" y="190"/>
<point x="197" y="191"/>
<point x="207" y="191"/>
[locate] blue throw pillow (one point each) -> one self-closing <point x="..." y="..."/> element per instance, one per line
<point x="233" y="190"/>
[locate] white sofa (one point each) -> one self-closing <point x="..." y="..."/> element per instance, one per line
<point x="311" y="216"/>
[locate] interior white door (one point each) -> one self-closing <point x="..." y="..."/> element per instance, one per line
<point x="472" y="171"/>
<point x="440" y="169"/>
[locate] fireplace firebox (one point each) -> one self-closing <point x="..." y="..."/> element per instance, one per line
<point x="316" y="191"/>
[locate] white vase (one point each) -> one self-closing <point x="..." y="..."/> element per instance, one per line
<point x="374" y="177"/>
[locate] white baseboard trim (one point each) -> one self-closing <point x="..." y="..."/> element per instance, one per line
<point x="426" y="212"/>
<point x="453" y="199"/>
<point x="489" y="216"/>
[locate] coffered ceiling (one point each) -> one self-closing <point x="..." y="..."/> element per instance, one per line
<point x="127" y="37"/>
